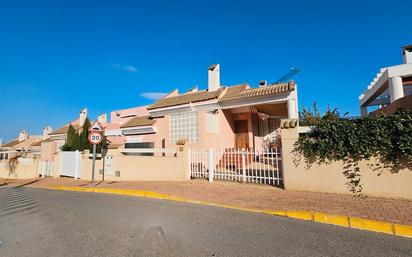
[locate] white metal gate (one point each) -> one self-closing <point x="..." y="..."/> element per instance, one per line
<point x="70" y="164"/>
<point x="46" y="168"/>
<point x="242" y="165"/>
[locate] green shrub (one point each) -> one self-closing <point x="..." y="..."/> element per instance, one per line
<point x="334" y="138"/>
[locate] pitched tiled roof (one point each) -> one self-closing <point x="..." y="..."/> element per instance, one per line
<point x="37" y="143"/>
<point x="64" y="129"/>
<point x="28" y="142"/>
<point x="139" y="121"/>
<point x="241" y="92"/>
<point x="186" y="99"/>
<point x="233" y="91"/>
<point x="230" y="93"/>
<point x="11" y="143"/>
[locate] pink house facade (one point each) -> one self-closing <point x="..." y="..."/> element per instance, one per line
<point x="237" y="116"/>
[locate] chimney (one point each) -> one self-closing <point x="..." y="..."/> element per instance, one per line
<point x="214" y="77"/>
<point x="83" y="116"/>
<point x="46" y="131"/>
<point x="263" y="83"/>
<point x="407" y="54"/>
<point x="23" y="135"/>
<point x="102" y="119"/>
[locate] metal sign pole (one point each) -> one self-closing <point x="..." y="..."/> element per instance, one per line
<point x="93" y="165"/>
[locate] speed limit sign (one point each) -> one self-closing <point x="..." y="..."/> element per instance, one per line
<point x="95" y="137"/>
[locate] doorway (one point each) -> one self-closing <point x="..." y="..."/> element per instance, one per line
<point x="241" y="134"/>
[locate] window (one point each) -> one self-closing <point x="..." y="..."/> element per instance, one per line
<point x="184" y="126"/>
<point x="139" y="145"/>
<point x="4" y="156"/>
<point x="212" y="122"/>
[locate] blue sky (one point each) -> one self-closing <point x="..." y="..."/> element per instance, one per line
<point x="57" y="57"/>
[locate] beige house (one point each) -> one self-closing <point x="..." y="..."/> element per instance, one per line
<point x="25" y="144"/>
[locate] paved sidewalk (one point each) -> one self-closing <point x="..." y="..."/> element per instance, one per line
<point x="257" y="197"/>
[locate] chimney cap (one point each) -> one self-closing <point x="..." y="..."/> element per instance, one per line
<point x="213" y="66"/>
<point x="263" y="83"/>
<point x="407" y="47"/>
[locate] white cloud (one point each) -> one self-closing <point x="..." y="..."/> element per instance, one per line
<point x="152" y="95"/>
<point x="128" y="68"/>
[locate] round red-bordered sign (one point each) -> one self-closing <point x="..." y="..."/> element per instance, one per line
<point x="95" y="137"/>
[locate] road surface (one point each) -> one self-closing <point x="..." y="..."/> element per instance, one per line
<point x="40" y="222"/>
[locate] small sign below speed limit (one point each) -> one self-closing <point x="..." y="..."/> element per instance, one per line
<point x="95" y="137"/>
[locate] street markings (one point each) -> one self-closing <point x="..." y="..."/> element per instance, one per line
<point x="20" y="212"/>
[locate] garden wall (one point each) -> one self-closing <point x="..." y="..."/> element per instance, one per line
<point x="139" y="168"/>
<point x="328" y="178"/>
<point x="26" y="168"/>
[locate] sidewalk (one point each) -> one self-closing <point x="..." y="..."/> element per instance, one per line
<point x="256" y="197"/>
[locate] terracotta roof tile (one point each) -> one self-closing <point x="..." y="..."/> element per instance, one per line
<point x="288" y="123"/>
<point x="230" y="93"/>
<point x="37" y="143"/>
<point x="238" y="93"/>
<point x="11" y="143"/>
<point x="186" y="99"/>
<point x="233" y="91"/>
<point x="139" y="121"/>
<point x="64" y="130"/>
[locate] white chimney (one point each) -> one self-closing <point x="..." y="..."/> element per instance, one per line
<point x="23" y="135"/>
<point x="83" y="116"/>
<point x="407" y="54"/>
<point x="46" y="131"/>
<point x="214" y="77"/>
<point x="102" y="119"/>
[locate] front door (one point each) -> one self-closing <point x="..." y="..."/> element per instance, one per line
<point x="241" y="134"/>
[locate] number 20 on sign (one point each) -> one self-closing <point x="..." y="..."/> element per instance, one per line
<point x="95" y="138"/>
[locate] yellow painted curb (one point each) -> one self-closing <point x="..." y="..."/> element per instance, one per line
<point x="338" y="220"/>
<point x="372" y="225"/>
<point x="277" y="213"/>
<point x="403" y="230"/>
<point x="302" y="215"/>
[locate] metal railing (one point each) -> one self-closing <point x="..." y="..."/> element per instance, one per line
<point x="241" y="165"/>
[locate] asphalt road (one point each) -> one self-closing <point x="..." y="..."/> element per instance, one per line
<point x="39" y="222"/>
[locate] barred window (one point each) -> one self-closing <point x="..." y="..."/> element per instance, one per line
<point x="184" y="126"/>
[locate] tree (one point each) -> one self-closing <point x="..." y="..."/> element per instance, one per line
<point x="84" y="141"/>
<point x="71" y="137"/>
<point x="307" y="117"/>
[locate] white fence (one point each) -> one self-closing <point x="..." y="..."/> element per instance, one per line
<point x="71" y="164"/>
<point x="241" y="165"/>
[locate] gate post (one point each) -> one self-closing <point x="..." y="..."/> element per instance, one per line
<point x="76" y="164"/>
<point x="189" y="162"/>
<point x="210" y="165"/>
<point x="243" y="167"/>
